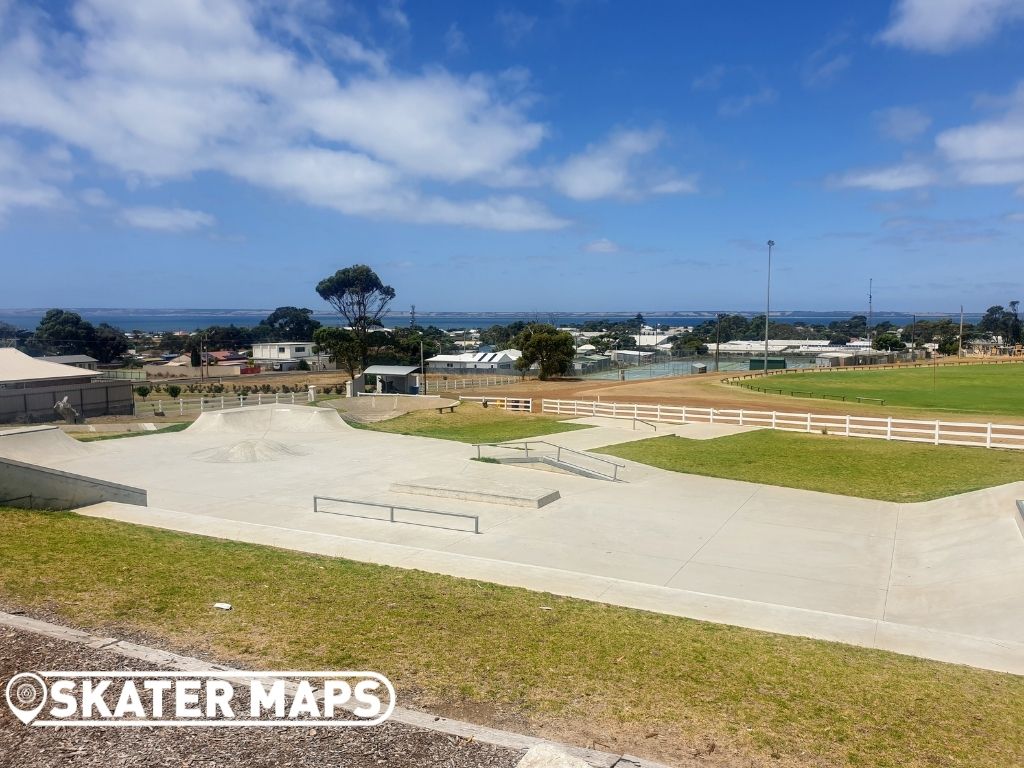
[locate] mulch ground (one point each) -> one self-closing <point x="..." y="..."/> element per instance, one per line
<point x="390" y="744"/>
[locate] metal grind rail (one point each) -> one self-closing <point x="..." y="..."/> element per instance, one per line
<point x="391" y="513"/>
<point x="559" y="450"/>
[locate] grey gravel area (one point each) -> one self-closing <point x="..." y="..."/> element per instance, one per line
<point x="390" y="744"/>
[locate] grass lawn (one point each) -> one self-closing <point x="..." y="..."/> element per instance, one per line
<point x="92" y="437"/>
<point x="626" y="679"/>
<point x="870" y="469"/>
<point x="471" y="423"/>
<point x="988" y="389"/>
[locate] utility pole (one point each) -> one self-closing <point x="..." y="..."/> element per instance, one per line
<point x="960" y="340"/>
<point x="718" y="337"/>
<point x="871" y="309"/>
<point x="768" y="305"/>
<point x="423" y="371"/>
<point x="913" y="339"/>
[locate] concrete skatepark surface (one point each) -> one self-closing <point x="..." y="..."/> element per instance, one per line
<point x="941" y="579"/>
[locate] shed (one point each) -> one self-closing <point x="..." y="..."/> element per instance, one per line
<point x="396" y="379"/>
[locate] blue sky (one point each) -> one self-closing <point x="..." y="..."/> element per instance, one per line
<point x="574" y="155"/>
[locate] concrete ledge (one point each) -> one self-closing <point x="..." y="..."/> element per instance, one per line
<point x="480" y="490"/>
<point x="36" y="487"/>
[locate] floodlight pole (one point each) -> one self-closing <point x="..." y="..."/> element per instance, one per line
<point x="768" y="306"/>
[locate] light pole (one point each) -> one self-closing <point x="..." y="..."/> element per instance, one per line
<point x="768" y="305"/>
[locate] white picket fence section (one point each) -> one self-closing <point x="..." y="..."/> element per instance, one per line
<point x="521" y="404"/>
<point x="454" y="383"/>
<point x="982" y="435"/>
<point x="182" y="405"/>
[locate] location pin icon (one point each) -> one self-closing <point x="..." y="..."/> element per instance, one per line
<point x="26" y="695"/>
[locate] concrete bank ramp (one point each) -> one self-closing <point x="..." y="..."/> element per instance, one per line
<point x="260" y="419"/>
<point x="46" y="445"/>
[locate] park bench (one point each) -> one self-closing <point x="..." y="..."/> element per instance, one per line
<point x="450" y="408"/>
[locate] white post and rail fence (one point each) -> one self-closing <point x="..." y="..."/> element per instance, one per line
<point x="937" y="432"/>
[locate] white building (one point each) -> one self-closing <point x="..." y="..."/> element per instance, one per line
<point x="475" y="362"/>
<point x="286" y="356"/>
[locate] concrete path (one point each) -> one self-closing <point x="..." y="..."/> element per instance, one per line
<point x="941" y="579"/>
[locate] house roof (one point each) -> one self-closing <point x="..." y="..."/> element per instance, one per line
<point x="16" y="366"/>
<point x="478" y="357"/>
<point x="392" y="370"/>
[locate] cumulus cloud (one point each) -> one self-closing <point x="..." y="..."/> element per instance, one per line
<point x="711" y="80"/>
<point x="734" y="106"/>
<point x="601" y="245"/>
<point x="455" y="40"/>
<point x="30" y="180"/>
<point x="888" y="179"/>
<point x="515" y="25"/>
<point x="990" y="151"/>
<point x="610" y="169"/>
<point x="823" y="66"/>
<point x="940" y="27"/>
<point x="901" y="123"/>
<point x="166" y="219"/>
<point x="161" y="91"/>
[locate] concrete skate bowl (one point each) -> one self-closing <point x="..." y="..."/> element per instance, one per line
<point x="373" y="408"/>
<point x="261" y="419"/>
<point x="44" y="445"/>
<point x="254" y="451"/>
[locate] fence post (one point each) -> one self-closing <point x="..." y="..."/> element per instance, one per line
<point x="888" y="428"/>
<point x="160" y="406"/>
<point x="711" y="415"/>
<point x="808" y="422"/>
<point x="847" y="425"/>
<point x="222" y="402"/>
<point x="181" y="407"/>
<point x="259" y="398"/>
<point x="684" y="414"/>
<point x="775" y="417"/>
<point x="741" y="417"/>
<point x="988" y="436"/>
<point x="293" y="398"/>
<point x="936" y="431"/>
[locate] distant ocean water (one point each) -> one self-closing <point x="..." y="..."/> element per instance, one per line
<point x="154" y="320"/>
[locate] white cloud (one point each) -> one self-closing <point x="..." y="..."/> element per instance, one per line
<point x="30" y="180"/>
<point x="601" y="245"/>
<point x="710" y="80"/>
<point x="901" y="123"/>
<point x="735" y="106"/>
<point x="609" y="169"/>
<point x="1015" y="217"/>
<point x="393" y="13"/>
<point x="823" y="66"/>
<point x="166" y="219"/>
<point x="96" y="198"/>
<point x="515" y="25"/>
<point x="455" y="40"/>
<point x="349" y="49"/>
<point x="990" y="151"/>
<point x="158" y="91"/>
<point x="940" y="26"/>
<point x="890" y="179"/>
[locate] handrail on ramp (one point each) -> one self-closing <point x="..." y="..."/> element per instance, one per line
<point x="391" y="513"/>
<point x="524" y="445"/>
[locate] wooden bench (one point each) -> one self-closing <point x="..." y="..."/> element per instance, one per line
<point x="450" y="408"/>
